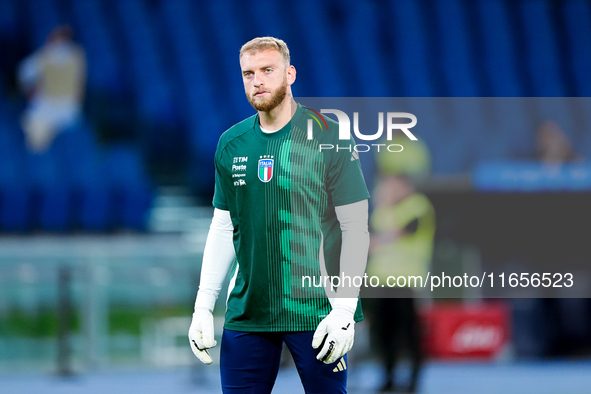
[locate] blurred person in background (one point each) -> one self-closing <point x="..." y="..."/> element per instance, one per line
<point x="403" y="228"/>
<point x="546" y="327"/>
<point x="54" y="80"/>
<point x="283" y="209"/>
<point x="553" y="145"/>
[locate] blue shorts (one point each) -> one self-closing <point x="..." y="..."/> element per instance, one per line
<point x="249" y="363"/>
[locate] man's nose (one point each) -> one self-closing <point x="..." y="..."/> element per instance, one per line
<point x="257" y="80"/>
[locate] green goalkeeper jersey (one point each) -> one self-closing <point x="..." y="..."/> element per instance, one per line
<point x="281" y="190"/>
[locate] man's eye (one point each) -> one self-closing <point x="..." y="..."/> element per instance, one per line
<point x="268" y="70"/>
<point x="247" y="74"/>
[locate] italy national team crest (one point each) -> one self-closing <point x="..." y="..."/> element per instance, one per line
<point x="265" y="169"/>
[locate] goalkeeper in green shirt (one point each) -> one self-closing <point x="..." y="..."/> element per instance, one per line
<point x="284" y="210"/>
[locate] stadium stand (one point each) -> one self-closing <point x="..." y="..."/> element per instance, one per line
<point x="163" y="78"/>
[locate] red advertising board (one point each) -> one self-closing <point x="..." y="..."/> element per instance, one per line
<point x="465" y="331"/>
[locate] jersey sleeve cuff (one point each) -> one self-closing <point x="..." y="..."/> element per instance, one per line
<point x="351" y="200"/>
<point x="219" y="205"/>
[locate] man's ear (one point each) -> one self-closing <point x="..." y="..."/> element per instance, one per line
<point x="291" y="75"/>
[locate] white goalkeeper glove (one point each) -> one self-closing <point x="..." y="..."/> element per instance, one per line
<point x="201" y="334"/>
<point x="338" y="327"/>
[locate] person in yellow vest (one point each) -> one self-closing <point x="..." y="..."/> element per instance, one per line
<point x="414" y="161"/>
<point x="403" y="225"/>
<point x="54" y="79"/>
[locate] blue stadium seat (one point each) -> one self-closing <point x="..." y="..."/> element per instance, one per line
<point x="104" y="73"/>
<point x="363" y="37"/>
<point x="448" y="157"/>
<point x="499" y="49"/>
<point x="197" y="93"/>
<point x="8" y="20"/>
<point x="131" y="189"/>
<point x="543" y="58"/>
<point x="318" y="40"/>
<point x="14" y="195"/>
<point x="44" y="16"/>
<point x="266" y="22"/>
<point x="578" y="28"/>
<point x="79" y="161"/>
<point x="226" y="43"/>
<point x="469" y="129"/>
<point x="153" y="93"/>
<point x="50" y="193"/>
<point x="515" y="126"/>
<point x="408" y="31"/>
<point x="456" y="55"/>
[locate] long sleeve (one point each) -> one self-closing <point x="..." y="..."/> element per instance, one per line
<point x="353" y="219"/>
<point x="218" y="256"/>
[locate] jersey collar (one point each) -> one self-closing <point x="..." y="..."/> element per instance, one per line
<point x="279" y="133"/>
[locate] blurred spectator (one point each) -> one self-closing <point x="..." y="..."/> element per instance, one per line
<point x="540" y="327"/>
<point x="414" y="161"/>
<point x="553" y="145"/>
<point x="54" y="78"/>
<point x="403" y="224"/>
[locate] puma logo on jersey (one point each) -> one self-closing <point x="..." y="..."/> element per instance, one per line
<point x="341" y="366"/>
